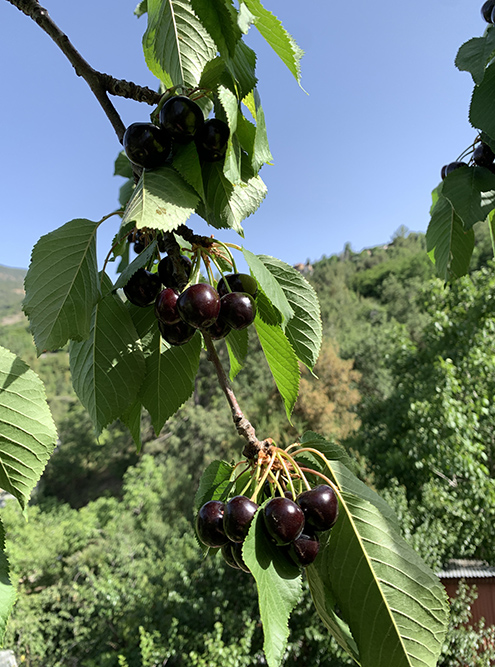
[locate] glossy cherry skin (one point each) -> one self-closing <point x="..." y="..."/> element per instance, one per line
<point x="487" y="9"/>
<point x="483" y="155"/>
<point x="182" y="118"/>
<point x="238" y="309"/>
<point x="166" y="270"/>
<point x="209" y="524"/>
<point x="179" y="333"/>
<point x="147" y="145"/>
<point x="304" y="550"/>
<point x="199" y="305"/>
<point x="452" y="166"/>
<point x="239" y="513"/>
<point x="320" y="506"/>
<point x="238" y="282"/>
<point x="284" y="520"/>
<point x="228" y="556"/>
<point x="166" y="306"/>
<point x="219" y="329"/>
<point x="211" y="140"/>
<point x="142" y="288"/>
<point x="237" y="553"/>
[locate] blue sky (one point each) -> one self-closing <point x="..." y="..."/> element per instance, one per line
<point x="354" y="158"/>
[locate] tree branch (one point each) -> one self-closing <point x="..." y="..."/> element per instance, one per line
<point x="242" y="424"/>
<point x="100" y="84"/>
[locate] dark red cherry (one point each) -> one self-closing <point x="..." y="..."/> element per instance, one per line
<point x="142" y="288"/>
<point x="239" y="513"/>
<point x="219" y="329"/>
<point x="238" y="282"/>
<point x="238" y="309"/>
<point x="284" y="520"/>
<point x="228" y="556"/>
<point x="483" y="155"/>
<point x="452" y="166"/>
<point x="166" y="270"/>
<point x="199" y="305"/>
<point x="179" y="333"/>
<point x="320" y="506"/>
<point x="304" y="550"/>
<point x="147" y="145"/>
<point x="211" y="140"/>
<point x="487" y="9"/>
<point x="182" y="118"/>
<point x="238" y="557"/>
<point x="166" y="306"/>
<point x="209" y="524"/>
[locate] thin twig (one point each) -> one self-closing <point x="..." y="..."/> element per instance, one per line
<point x="100" y="84"/>
<point x="242" y="424"/>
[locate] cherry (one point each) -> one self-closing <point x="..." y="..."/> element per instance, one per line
<point x="219" y="329"/>
<point x="239" y="513"/>
<point x="228" y="556"/>
<point x="304" y="550"/>
<point x="181" y="117"/>
<point x="166" y="270"/>
<point x="483" y="155"/>
<point x="238" y="282"/>
<point x="487" y="9"/>
<point x="199" y="305"/>
<point x="211" y="140"/>
<point x="166" y="306"/>
<point x="209" y="524"/>
<point x="179" y="333"/>
<point x="147" y="145"/>
<point x="284" y="520"/>
<point x="238" y="309"/>
<point x="140" y="242"/>
<point x="142" y="288"/>
<point x="320" y="507"/>
<point x="237" y="553"/>
<point x="452" y="166"/>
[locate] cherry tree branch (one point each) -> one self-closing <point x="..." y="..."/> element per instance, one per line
<point x="242" y="424"/>
<point x="100" y="84"/>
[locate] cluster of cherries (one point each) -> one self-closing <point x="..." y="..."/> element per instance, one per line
<point x="231" y="305"/>
<point x="291" y="525"/>
<point x="181" y="121"/>
<point x="483" y="156"/>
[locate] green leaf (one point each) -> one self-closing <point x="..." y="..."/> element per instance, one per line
<point x="491" y="226"/>
<point x="245" y="19"/>
<point x="123" y="166"/>
<point x="170" y="374"/>
<point x="282" y="361"/>
<point x="269" y="284"/>
<point x="471" y="191"/>
<point x="132" y="419"/>
<point x="161" y="200"/>
<point x="137" y="263"/>
<point x="62" y="285"/>
<point x="474" y="55"/>
<point x="176" y="45"/>
<point x="186" y="162"/>
<point x="278" y="582"/>
<point x="141" y="8"/>
<point x="266" y="310"/>
<point x="220" y="19"/>
<point x="108" y="368"/>
<point x="261" y="152"/>
<point x="237" y="346"/>
<point x="393" y="603"/>
<point x="277" y="37"/>
<point x="242" y="67"/>
<point x="27" y="433"/>
<point x="304" y="329"/>
<point x="232" y="163"/>
<point x="226" y="206"/>
<point x="7" y="591"/>
<point x="214" y="483"/>
<point x="448" y="245"/>
<point x="481" y="109"/>
<point x="125" y="192"/>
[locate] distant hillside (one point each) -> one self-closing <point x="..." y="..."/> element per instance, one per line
<point x="11" y="295"/>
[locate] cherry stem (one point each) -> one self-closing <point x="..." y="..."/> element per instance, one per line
<point x="289" y="477"/>
<point x="276" y="480"/>
<point x="328" y="481"/>
<point x="242" y="424"/>
<point x="231" y="256"/>
<point x="295" y="465"/>
<point x="265" y="475"/>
